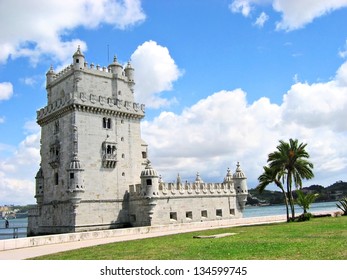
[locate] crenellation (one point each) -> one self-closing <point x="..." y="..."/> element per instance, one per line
<point x="125" y="75"/>
<point x="73" y="98"/>
<point x="166" y="189"/>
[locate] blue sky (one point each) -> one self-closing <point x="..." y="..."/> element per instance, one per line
<point x="222" y="80"/>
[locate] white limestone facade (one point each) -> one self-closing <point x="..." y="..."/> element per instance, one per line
<point x="94" y="172"/>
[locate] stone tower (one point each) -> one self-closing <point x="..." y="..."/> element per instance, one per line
<point x="91" y="148"/>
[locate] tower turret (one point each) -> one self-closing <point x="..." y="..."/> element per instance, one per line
<point x="115" y="67"/>
<point x="129" y="72"/>
<point x="50" y="75"/>
<point x="149" y="181"/>
<point x="78" y="59"/>
<point x="240" y="181"/>
<point x="39" y="186"/>
<point x="229" y="177"/>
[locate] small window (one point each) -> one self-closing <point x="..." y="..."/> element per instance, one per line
<point x="109" y="150"/>
<point x="204" y="213"/>
<point x="132" y="218"/>
<point x="173" y="216"/>
<point x="56" y="178"/>
<point x="144" y="155"/>
<point x="189" y="215"/>
<point x="219" y="213"/>
<point x="123" y="174"/>
<point x="106" y="123"/>
<point x="232" y="212"/>
<point x="72" y="175"/>
<point x="122" y="139"/>
<point x="56" y="127"/>
<point x="77" y="60"/>
<point x="149" y="182"/>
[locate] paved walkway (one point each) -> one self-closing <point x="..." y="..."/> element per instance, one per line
<point x="35" y="251"/>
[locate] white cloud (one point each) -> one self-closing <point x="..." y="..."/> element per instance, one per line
<point x="298" y="13"/>
<point x="17" y="171"/>
<point x="295" y="13"/>
<point x="2" y="120"/>
<point x="224" y="128"/>
<point x="343" y="53"/>
<point x="155" y="72"/>
<point x="29" y="81"/>
<point x="6" y="91"/>
<point x="260" y="21"/>
<point x="37" y="27"/>
<point x="241" y="6"/>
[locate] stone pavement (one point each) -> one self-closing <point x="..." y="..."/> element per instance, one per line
<point x="31" y="251"/>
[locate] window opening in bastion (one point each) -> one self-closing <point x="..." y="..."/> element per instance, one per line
<point x="204" y="213"/>
<point x="173" y="216"/>
<point x="189" y="215"/>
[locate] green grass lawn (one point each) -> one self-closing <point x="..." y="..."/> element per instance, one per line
<point x="317" y="239"/>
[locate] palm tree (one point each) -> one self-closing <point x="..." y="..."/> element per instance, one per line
<point x="291" y="159"/>
<point x="270" y="176"/>
<point x="305" y="201"/>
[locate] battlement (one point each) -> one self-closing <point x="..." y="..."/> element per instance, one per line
<point x="189" y="189"/>
<point x="94" y="103"/>
<point x="166" y="189"/>
<point x="107" y="72"/>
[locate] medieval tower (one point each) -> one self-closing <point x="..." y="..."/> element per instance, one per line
<point x="94" y="172"/>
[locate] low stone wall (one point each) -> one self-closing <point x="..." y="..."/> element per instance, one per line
<point x="10" y="244"/>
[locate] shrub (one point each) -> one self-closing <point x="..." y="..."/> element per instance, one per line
<point x="343" y="205"/>
<point x="304" y="217"/>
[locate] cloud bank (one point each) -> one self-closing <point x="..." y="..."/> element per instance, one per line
<point x="155" y="72"/>
<point x="6" y="91"/>
<point x="224" y="128"/>
<point x="17" y="171"/>
<point x="51" y="20"/>
<point x="295" y="13"/>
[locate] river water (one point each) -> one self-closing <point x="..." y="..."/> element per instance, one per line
<point x="250" y="211"/>
<point x="259" y="211"/>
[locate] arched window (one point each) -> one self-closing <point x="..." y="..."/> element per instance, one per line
<point x="106" y="123"/>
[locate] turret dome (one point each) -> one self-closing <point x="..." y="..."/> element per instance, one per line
<point x="239" y="173"/>
<point x="149" y="171"/>
<point x="229" y="177"/>
<point x="78" y="52"/>
<point x="75" y="164"/>
<point x="116" y="67"/>
<point x="39" y="174"/>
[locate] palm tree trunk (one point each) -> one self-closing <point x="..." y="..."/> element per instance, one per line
<point x="289" y="194"/>
<point x="292" y="205"/>
<point x="286" y="203"/>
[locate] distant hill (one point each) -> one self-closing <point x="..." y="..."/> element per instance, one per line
<point x="331" y="193"/>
